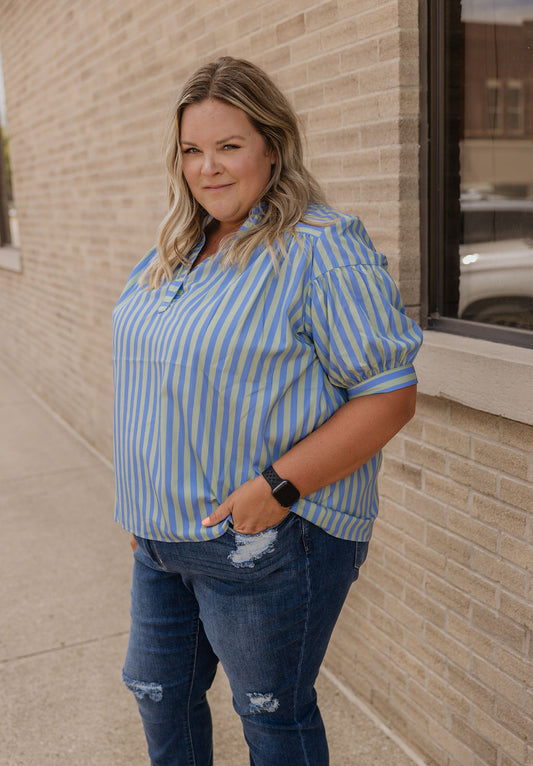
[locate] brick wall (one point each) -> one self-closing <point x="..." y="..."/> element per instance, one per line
<point x="434" y="635"/>
<point x="87" y="103"/>
<point x="437" y="632"/>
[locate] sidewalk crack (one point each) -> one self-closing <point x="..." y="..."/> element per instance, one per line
<point x="62" y="647"/>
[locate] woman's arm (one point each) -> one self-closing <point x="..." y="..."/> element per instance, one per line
<point x="347" y="440"/>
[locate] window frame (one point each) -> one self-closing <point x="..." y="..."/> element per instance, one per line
<point x="435" y="145"/>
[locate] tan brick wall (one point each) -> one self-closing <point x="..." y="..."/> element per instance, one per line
<point x="434" y="635"/>
<point x="437" y="633"/>
<point x="87" y="102"/>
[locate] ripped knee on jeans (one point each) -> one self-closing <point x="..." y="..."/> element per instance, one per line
<point x="142" y="689"/>
<point x="262" y="703"/>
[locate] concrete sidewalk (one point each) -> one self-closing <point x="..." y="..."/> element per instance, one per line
<point x="64" y="600"/>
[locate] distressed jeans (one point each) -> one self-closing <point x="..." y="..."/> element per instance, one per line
<point x="264" y="605"/>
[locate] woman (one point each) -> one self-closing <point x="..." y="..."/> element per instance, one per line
<point x="262" y="360"/>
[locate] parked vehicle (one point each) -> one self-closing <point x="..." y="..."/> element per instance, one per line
<point x="496" y="262"/>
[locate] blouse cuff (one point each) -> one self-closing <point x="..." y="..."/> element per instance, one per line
<point x="383" y="382"/>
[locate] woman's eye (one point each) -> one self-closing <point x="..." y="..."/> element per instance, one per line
<point x="230" y="146"/>
<point x="191" y="150"/>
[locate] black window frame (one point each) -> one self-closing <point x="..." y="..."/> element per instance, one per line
<point x="438" y="20"/>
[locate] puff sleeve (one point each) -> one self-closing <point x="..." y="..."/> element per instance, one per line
<point x="355" y="317"/>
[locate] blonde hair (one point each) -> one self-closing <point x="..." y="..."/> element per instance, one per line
<point x="291" y="188"/>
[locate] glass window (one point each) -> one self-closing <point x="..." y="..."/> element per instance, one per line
<point x="481" y="166"/>
<point x="514" y="107"/>
<point x="8" y="216"/>
<point x="494" y="106"/>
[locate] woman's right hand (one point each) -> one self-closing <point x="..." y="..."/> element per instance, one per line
<point x="133" y="543"/>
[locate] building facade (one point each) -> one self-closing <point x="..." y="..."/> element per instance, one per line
<point x="406" y="132"/>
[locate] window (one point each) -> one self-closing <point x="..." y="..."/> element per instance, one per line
<point x="6" y="195"/>
<point x="505" y="107"/>
<point x="9" y="239"/>
<point x="494" y="106"/>
<point x="480" y="169"/>
<point x="514" y="107"/>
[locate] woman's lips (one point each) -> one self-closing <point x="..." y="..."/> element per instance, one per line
<point x="217" y="188"/>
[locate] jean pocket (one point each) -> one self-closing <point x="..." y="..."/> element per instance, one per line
<point x="360" y="554"/>
<point x="274" y="528"/>
<point x="148" y="548"/>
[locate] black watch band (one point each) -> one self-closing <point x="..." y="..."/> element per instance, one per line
<point x="282" y="490"/>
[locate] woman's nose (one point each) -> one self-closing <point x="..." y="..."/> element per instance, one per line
<point x="210" y="164"/>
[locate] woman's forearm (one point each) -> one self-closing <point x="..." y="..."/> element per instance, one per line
<point x="336" y="449"/>
<point x="347" y="440"/>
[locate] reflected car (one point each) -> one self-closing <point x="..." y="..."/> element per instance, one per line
<point x="496" y="262"/>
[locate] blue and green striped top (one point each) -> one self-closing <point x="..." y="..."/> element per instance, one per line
<point x="220" y="371"/>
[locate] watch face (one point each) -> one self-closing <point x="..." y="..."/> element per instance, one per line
<point x="286" y="494"/>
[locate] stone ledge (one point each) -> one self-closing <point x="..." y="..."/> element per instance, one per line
<point x="486" y="376"/>
<point x="10" y="259"/>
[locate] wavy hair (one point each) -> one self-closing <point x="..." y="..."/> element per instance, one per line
<point x="291" y="188"/>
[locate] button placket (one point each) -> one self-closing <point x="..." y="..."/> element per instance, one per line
<point x="171" y="292"/>
<point x="175" y="287"/>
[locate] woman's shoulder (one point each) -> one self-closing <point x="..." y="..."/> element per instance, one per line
<point x="139" y="270"/>
<point x="317" y="218"/>
<point x="338" y="239"/>
<point x="146" y="260"/>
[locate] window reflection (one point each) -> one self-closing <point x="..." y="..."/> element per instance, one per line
<point x="496" y="163"/>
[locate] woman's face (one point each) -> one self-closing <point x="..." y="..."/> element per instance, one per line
<point x="225" y="161"/>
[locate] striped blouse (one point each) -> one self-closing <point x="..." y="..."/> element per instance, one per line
<point x="220" y="371"/>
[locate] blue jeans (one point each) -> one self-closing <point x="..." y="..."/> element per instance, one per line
<point x="265" y="605"/>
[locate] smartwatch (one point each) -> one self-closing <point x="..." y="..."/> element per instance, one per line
<point x="285" y="493"/>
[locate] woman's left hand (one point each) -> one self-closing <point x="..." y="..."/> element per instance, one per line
<point x="252" y="507"/>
